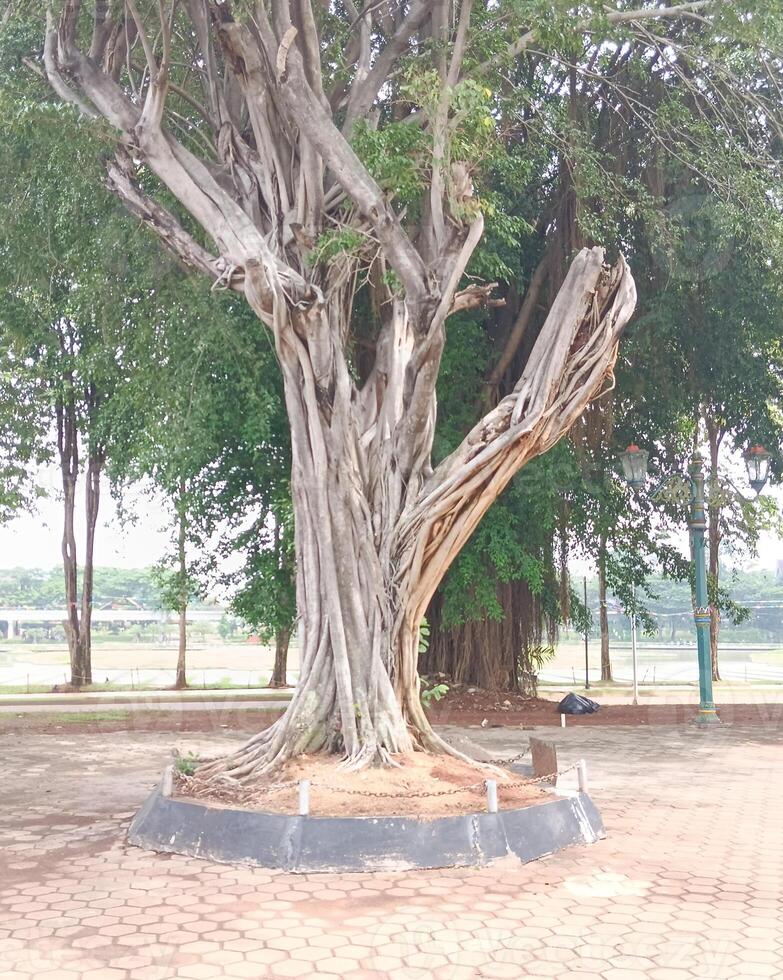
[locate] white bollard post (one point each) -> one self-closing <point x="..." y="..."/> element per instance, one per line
<point x="167" y="782"/>
<point x="562" y="721"/>
<point x="492" y="796"/>
<point x="304" y="797"/>
<point x="581" y="775"/>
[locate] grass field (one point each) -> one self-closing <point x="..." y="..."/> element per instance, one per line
<point x="215" y="664"/>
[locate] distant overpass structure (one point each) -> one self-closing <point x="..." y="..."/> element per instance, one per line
<point x="12" y="620"/>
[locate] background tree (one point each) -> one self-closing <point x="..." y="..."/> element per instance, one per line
<point x="63" y="243"/>
<point x="20" y="437"/>
<point x="132" y="383"/>
<point x="721" y="384"/>
<point x="194" y="419"/>
<point x="625" y="147"/>
<point x="266" y="597"/>
<point x="177" y="588"/>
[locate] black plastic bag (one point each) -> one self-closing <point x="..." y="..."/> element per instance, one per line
<point x="575" y="704"/>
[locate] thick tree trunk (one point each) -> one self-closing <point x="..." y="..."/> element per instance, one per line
<point x="603" y="617"/>
<point x="70" y="571"/>
<point x="280" y="671"/>
<point x="376" y="529"/>
<point x="490" y="653"/>
<point x="715" y="438"/>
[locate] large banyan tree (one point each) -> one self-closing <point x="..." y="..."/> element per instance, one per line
<point x="324" y="159"/>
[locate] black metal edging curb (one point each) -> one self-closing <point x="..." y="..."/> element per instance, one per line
<point x="308" y="844"/>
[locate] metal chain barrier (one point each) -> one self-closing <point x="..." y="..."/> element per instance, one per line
<point x="511" y="761"/>
<point x="469" y="788"/>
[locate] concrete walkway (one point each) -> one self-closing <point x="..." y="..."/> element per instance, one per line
<point x="193" y="699"/>
<point x="687" y="884"/>
<point x="197" y="699"/>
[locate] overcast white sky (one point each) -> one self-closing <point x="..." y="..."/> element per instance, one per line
<point x="33" y="541"/>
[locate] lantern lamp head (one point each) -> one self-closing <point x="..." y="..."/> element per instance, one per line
<point x="634" y="463"/>
<point x="757" y="461"/>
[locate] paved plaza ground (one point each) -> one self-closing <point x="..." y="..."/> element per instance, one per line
<point x="687" y="884"/>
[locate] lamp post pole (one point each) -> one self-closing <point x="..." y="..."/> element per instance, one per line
<point x="634" y="463"/>
<point x="633" y="645"/>
<point x="587" y="648"/>
<point x="701" y="614"/>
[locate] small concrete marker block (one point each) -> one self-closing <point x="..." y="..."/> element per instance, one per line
<point x="544" y="757"/>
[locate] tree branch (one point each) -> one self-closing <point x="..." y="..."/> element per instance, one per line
<point x="573" y="355"/>
<point x="242" y="244"/>
<point x="612" y="17"/>
<point x="460" y="43"/>
<point x="54" y="76"/>
<point x="308" y="112"/>
<point x="521" y="322"/>
<point x="363" y="95"/>
<point x="121" y="180"/>
<point x="590" y="302"/>
<point x="101" y="29"/>
<point x="475" y="295"/>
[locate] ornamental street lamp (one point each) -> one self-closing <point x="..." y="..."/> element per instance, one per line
<point x="757" y="461"/>
<point x="634" y="464"/>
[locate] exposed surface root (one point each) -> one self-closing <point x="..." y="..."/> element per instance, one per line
<point x="268" y="753"/>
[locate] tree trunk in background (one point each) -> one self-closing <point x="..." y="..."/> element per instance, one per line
<point x="68" y="448"/>
<point x="280" y="673"/>
<point x="182" y="570"/>
<point x="715" y="438"/>
<point x="603" y="618"/>
<point x="180" y="680"/>
<point x="489" y="653"/>
<point x="68" y="451"/>
<point x="78" y="621"/>
<point x="564" y="576"/>
<point x="92" y="503"/>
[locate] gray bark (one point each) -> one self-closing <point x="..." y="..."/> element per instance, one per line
<point x="78" y="617"/>
<point x="279" y="676"/>
<point x="376" y="527"/>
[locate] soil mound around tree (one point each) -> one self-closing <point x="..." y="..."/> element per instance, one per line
<point x="421" y="785"/>
<point x="477" y="703"/>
